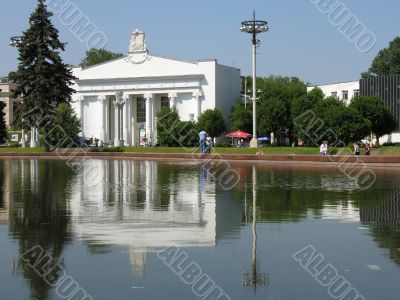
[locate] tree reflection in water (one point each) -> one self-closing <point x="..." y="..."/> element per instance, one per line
<point x="38" y="214"/>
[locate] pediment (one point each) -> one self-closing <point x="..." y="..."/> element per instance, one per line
<point x="150" y="66"/>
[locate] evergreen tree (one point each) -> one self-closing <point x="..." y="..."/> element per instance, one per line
<point x="3" y="127"/>
<point x="42" y="79"/>
<point x="67" y="127"/>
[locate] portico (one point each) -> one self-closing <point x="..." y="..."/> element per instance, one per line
<point x="118" y="101"/>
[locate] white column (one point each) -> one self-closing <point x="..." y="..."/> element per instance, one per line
<point x="126" y="119"/>
<point x="33" y="143"/>
<point x="81" y="115"/>
<point x="117" y="122"/>
<point x="37" y="136"/>
<point x="148" y="115"/>
<point x="172" y="99"/>
<point x="197" y="96"/>
<point x="102" y="99"/>
<point x="153" y="120"/>
<point x="121" y="123"/>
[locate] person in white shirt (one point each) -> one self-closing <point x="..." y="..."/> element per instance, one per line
<point x="323" y="150"/>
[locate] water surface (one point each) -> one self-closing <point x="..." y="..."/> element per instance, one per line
<point x="106" y="221"/>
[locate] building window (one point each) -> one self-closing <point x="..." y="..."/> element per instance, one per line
<point x="356" y="93"/>
<point x="164" y="102"/>
<point x="141" y="110"/>
<point x="345" y="95"/>
<point x="334" y="94"/>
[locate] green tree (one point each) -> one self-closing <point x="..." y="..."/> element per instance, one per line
<point x="172" y="132"/>
<point x="374" y="110"/>
<point x="187" y="134"/>
<point x="303" y="110"/>
<point x="3" y="127"/>
<point x="387" y="62"/>
<point x="272" y="117"/>
<point x="96" y="56"/>
<point x="42" y="78"/>
<point x="241" y="117"/>
<point x="168" y="127"/>
<point x="66" y="127"/>
<point x="340" y="124"/>
<point x="284" y="90"/>
<point x="212" y="121"/>
<point x="17" y="123"/>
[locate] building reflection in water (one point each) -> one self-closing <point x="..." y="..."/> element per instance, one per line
<point x="144" y="205"/>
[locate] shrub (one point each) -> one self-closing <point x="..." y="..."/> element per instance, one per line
<point x="106" y="149"/>
<point x="223" y="144"/>
<point x="14" y="145"/>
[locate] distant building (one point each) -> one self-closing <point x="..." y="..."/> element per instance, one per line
<point x="118" y="101"/>
<point x="386" y="88"/>
<point x="344" y="91"/>
<point x="11" y="103"/>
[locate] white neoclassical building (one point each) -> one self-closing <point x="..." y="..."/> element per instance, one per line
<point x="117" y="101"/>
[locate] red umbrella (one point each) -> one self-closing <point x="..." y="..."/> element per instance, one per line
<point x="239" y="134"/>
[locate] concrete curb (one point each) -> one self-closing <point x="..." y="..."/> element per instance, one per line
<point x="389" y="161"/>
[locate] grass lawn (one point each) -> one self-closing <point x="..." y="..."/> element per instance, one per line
<point x="382" y="151"/>
<point x="21" y="150"/>
<point x="388" y="151"/>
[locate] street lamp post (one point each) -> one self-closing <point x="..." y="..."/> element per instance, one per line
<point x="255" y="278"/>
<point x="16" y="41"/>
<point x="254" y="27"/>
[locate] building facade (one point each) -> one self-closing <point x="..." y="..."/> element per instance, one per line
<point x="11" y="103"/>
<point x="386" y="88"/>
<point x="118" y="101"/>
<point x="344" y="91"/>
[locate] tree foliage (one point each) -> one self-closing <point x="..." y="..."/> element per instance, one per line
<point x="212" y="121"/>
<point x="96" y="56"/>
<point x="287" y="110"/>
<point x="167" y="127"/>
<point x="42" y="78"/>
<point x="3" y="127"/>
<point x="374" y="110"/>
<point x="66" y="127"/>
<point x="273" y="117"/>
<point x="387" y="62"/>
<point x="172" y="132"/>
<point x="241" y="117"/>
<point x="274" y="109"/>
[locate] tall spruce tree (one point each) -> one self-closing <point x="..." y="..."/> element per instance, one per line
<point x="42" y="78"/>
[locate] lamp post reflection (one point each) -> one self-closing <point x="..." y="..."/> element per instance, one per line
<point x="255" y="278"/>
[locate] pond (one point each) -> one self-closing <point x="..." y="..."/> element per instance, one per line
<point x="137" y="229"/>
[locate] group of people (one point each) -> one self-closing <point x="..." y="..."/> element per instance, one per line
<point x="205" y="142"/>
<point x="356" y="149"/>
<point x="323" y="149"/>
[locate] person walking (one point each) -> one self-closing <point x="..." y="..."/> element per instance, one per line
<point x="367" y="149"/>
<point x="356" y="149"/>
<point x="208" y="145"/>
<point x="323" y="149"/>
<point x="202" y="139"/>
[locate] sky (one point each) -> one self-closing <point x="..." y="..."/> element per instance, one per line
<point x="301" y="41"/>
